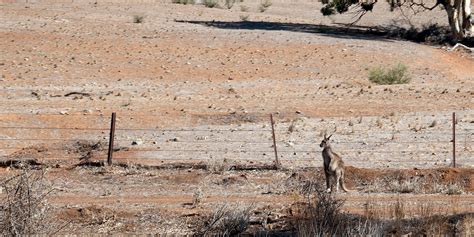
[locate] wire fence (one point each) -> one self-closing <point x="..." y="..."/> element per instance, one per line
<point x="362" y="141"/>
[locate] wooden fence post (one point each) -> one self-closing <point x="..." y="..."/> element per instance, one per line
<point x="277" y="162"/>
<point x="454" y="139"/>
<point x="111" y="139"/>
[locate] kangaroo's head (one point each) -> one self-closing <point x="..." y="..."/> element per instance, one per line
<point x="325" y="141"/>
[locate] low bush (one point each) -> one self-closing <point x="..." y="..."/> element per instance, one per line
<point x="138" y="19"/>
<point x="264" y="5"/>
<point x="395" y="75"/>
<point x="185" y="2"/>
<point x="211" y="3"/>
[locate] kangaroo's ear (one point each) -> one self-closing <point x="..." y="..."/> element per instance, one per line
<point x="325" y="136"/>
<point x="329" y="136"/>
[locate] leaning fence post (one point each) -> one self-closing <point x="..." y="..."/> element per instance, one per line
<point x="277" y="163"/>
<point x="111" y="139"/>
<point x="454" y="139"/>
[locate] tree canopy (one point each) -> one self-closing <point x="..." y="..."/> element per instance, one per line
<point x="460" y="18"/>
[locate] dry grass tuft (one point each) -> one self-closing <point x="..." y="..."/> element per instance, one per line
<point x="218" y="166"/>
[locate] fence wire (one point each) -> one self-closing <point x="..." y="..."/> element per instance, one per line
<point x="63" y="141"/>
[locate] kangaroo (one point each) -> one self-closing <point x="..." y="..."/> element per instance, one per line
<point x="333" y="166"/>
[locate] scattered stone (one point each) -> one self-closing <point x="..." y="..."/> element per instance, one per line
<point x="137" y="142"/>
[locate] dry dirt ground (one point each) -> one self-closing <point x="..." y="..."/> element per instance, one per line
<point x="193" y="88"/>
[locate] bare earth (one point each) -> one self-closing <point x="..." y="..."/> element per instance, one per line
<point x="193" y="88"/>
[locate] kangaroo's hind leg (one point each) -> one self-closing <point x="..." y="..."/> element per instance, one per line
<point x="328" y="182"/>
<point x="338" y="179"/>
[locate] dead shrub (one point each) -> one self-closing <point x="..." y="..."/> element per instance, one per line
<point x="226" y="220"/>
<point x="406" y="186"/>
<point x="323" y="217"/>
<point x="24" y="210"/>
<point x="217" y="166"/>
<point x="454" y="189"/>
<point x="197" y="197"/>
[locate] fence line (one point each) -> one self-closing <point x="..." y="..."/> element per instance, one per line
<point x="237" y="115"/>
<point x="210" y="141"/>
<point x="286" y="146"/>
<point x="218" y="130"/>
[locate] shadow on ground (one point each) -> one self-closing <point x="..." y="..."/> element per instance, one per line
<point x="431" y="34"/>
<point x="341" y="31"/>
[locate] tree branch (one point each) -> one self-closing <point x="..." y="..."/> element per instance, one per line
<point x="422" y="5"/>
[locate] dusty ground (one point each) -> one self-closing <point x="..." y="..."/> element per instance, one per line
<point x="195" y="85"/>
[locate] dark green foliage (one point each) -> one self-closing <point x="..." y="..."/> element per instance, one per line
<point x="340" y="6"/>
<point x="328" y="10"/>
<point x="184" y="2"/>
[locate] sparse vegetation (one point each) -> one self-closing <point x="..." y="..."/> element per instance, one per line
<point x="405" y="186"/>
<point x="138" y="19"/>
<point x="211" y="3"/>
<point x="244" y="8"/>
<point x="244" y="17"/>
<point x="226" y="220"/>
<point x="197" y="197"/>
<point x="395" y="75"/>
<point x="24" y="209"/>
<point x="454" y="189"/>
<point x="217" y="166"/>
<point x="323" y="216"/>
<point x="184" y="2"/>
<point x="264" y="5"/>
<point x="229" y="3"/>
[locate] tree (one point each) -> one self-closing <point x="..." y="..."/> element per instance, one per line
<point x="461" y="20"/>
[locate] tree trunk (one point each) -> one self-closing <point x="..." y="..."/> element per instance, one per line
<point x="468" y="18"/>
<point x="459" y="16"/>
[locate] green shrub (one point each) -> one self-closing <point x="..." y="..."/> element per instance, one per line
<point x="138" y="19"/>
<point x="211" y="3"/>
<point x="395" y="75"/>
<point x="183" y="1"/>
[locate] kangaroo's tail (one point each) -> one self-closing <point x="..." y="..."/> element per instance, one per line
<point x="343" y="186"/>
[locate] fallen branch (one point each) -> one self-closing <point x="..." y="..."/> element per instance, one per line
<point x="77" y="93"/>
<point x="16" y="163"/>
<point x="461" y="45"/>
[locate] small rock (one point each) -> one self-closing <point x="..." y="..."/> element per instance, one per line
<point x="137" y="142"/>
